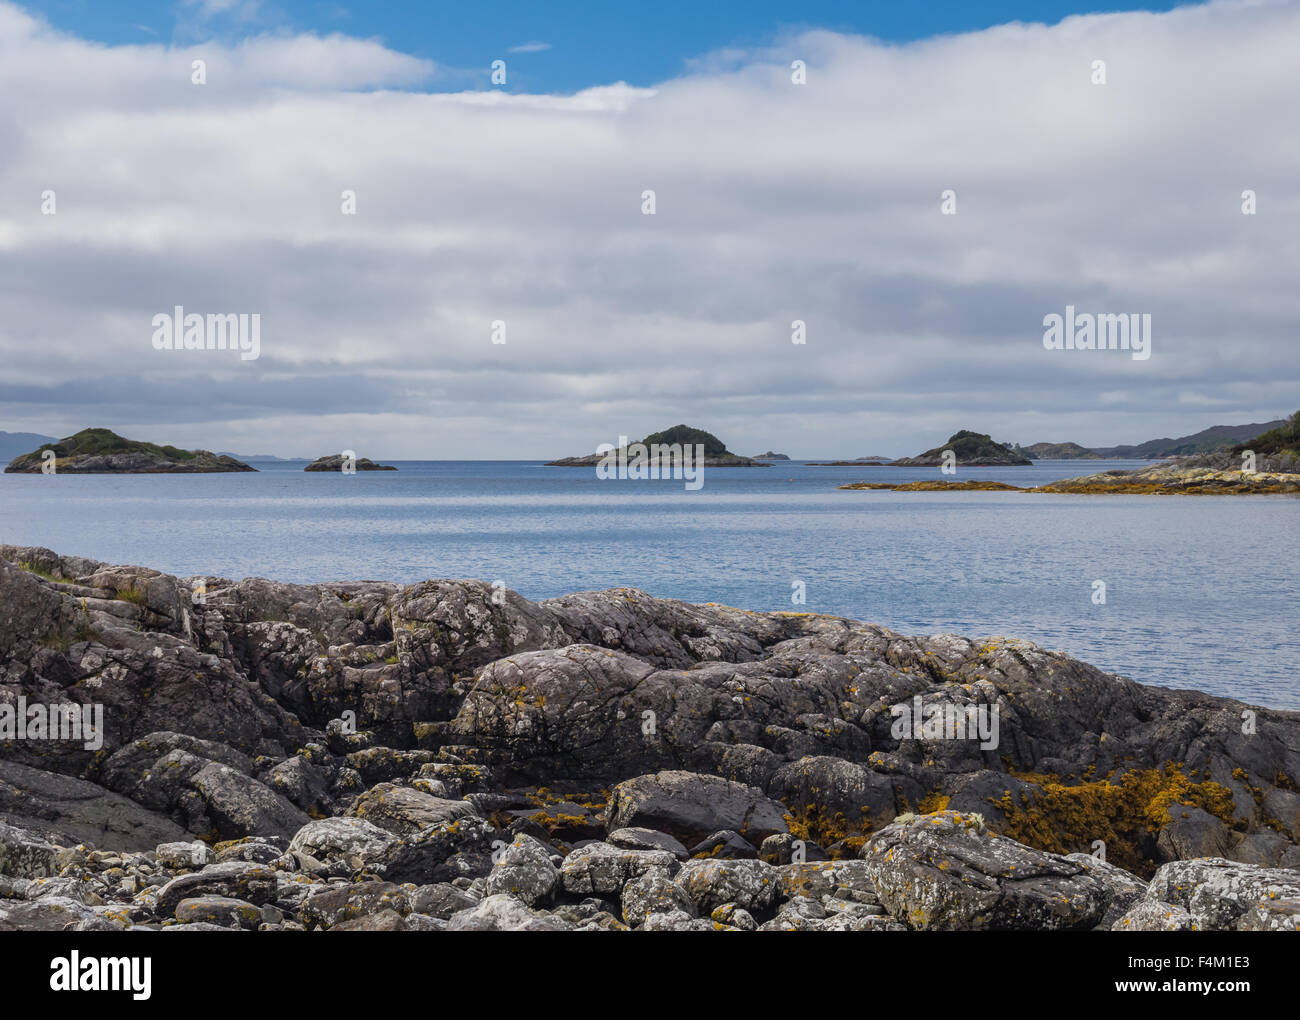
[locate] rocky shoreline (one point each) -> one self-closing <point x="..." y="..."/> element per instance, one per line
<point x="451" y="756"/>
<point x="1170" y="479"/>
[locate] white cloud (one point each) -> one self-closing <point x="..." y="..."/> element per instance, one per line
<point x="775" y="202"/>
<point x="530" y="47"/>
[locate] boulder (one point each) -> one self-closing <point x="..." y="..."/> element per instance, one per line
<point x="502" y="912"/>
<point x="1217" y="892"/>
<point x="944" y="871"/>
<point x="692" y="807"/>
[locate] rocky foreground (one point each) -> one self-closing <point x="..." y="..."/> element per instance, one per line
<point x="446" y="755"/>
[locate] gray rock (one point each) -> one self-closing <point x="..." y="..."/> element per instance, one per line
<point x="440" y="853"/>
<point x="1152" y="915"/>
<point x="219" y="910"/>
<point x="25" y="855"/>
<point x="439" y="900"/>
<point x="1192" y="833"/>
<point x="334" y="838"/>
<point x="647" y="839"/>
<point x="502" y="912"/>
<point x="750" y="885"/>
<point x="525" y="871"/>
<point x="1272" y="915"/>
<point x="180" y="856"/>
<point x="70" y="810"/>
<point x="1218" y="892"/>
<point x="725" y="844"/>
<point x="384" y="920"/>
<point x="405" y="811"/>
<point x="332" y="906"/>
<point x="943" y="871"/>
<point x="1123" y="888"/>
<point x="602" y="869"/>
<point x="654" y="893"/>
<point x="255" y="883"/>
<point x="692" y="807"/>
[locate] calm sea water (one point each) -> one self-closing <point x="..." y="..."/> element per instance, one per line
<point x="1201" y="592"/>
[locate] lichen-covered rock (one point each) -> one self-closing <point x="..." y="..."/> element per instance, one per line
<point x="502" y="912"/>
<point x="725" y="844"/>
<point x="654" y="893"/>
<point x="182" y="856"/>
<point x="525" y="870"/>
<point x="943" y="871"/>
<point x="751" y="885"/>
<point x="1272" y="915"/>
<point x="345" y="838"/>
<point x="440" y="853"/>
<point x="603" y="869"/>
<point x="403" y="810"/>
<point x="383" y="920"/>
<point x="336" y="904"/>
<point x="25" y="855"/>
<point x="1217" y="892"/>
<point x="1123" y="889"/>
<point x="1153" y="915"/>
<point x="236" y="880"/>
<point x="647" y="839"/>
<point x="219" y="910"/>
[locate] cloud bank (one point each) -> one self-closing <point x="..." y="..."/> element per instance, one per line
<point x="774" y="202"/>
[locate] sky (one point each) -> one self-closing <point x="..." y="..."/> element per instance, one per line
<point x="943" y="178"/>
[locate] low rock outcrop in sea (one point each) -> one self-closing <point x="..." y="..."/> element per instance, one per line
<point x="1200" y="475"/>
<point x="973" y="449"/>
<point x="375" y="756"/>
<point x="336" y="462"/>
<point x="716" y="453"/>
<point x="771" y="456"/>
<point x="1183" y="476"/>
<point x="102" y="451"/>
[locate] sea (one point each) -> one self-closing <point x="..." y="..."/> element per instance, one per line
<point x="1197" y="592"/>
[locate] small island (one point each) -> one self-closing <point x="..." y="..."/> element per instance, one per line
<point x="716" y="453"/>
<point x="104" y="452"/>
<point x="771" y="456"/>
<point x="971" y="449"/>
<point x="858" y="462"/>
<point x="336" y="461"/>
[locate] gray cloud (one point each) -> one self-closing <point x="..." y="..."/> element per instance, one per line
<point x="775" y="202"/>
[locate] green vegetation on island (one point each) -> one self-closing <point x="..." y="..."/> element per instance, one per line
<point x="102" y="451"/>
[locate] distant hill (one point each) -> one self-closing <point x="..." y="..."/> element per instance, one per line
<point x="970" y="448"/>
<point x="260" y="458"/>
<point x="1060" y="451"/>
<point x="102" y="451"/>
<point x="1281" y="440"/>
<point x="1216" y="437"/>
<point x="15" y="444"/>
